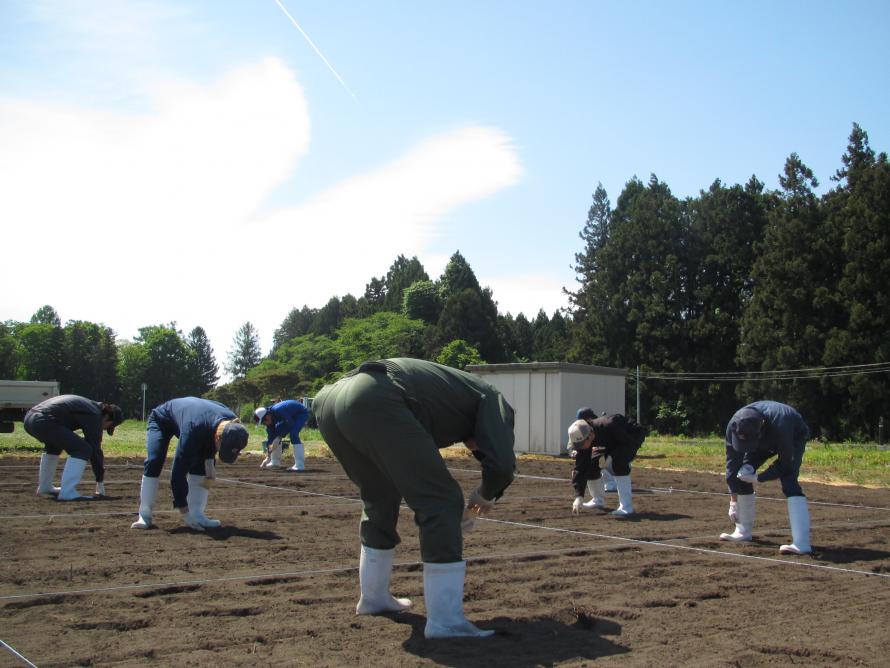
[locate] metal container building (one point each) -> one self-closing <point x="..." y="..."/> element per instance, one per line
<point x="547" y="395"/>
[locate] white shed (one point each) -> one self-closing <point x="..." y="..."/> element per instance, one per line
<point x="547" y="395"/>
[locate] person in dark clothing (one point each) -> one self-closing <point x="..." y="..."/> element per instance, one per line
<point x="285" y="418"/>
<point x="756" y="433"/>
<point x="609" y="442"/>
<point x="53" y="423"/>
<point x="385" y="422"/>
<point x="203" y="428"/>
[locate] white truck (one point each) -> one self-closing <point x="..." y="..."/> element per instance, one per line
<point x="18" y="396"/>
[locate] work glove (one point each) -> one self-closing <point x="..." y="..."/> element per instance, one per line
<point x="576" y="505"/>
<point x="747" y="474"/>
<point x="573" y="453"/>
<point x="100" y="489"/>
<point x="479" y="503"/>
<point x="733" y="512"/>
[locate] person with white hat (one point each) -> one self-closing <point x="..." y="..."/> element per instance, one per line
<point x="204" y="428"/>
<point x="614" y="439"/>
<point x="385" y="422"/>
<point x="53" y="423"/>
<point x="755" y="433"/>
<point x="285" y="418"/>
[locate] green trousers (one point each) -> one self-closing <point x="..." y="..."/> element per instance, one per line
<point x="388" y="454"/>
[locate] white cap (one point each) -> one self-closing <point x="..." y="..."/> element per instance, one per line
<point x="259" y="414"/>
<point x="579" y="430"/>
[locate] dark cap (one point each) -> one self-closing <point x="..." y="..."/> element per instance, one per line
<point x="585" y="414"/>
<point x="745" y="429"/>
<point x="232" y="442"/>
<point x="115" y="414"/>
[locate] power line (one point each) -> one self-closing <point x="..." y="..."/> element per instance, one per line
<point x="775" y="375"/>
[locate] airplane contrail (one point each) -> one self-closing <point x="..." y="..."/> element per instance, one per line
<point x="320" y="54"/>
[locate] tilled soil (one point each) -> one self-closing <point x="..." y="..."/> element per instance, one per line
<point x="277" y="584"/>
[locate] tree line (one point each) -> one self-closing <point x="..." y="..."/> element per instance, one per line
<point x="715" y="298"/>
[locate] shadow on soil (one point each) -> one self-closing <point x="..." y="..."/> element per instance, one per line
<point x="224" y="533"/>
<point x="517" y="643"/>
<point x="848" y="555"/>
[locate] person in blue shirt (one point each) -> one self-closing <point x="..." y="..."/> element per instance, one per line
<point x="756" y="433"/>
<point x="203" y="428"/>
<point x="285" y="418"/>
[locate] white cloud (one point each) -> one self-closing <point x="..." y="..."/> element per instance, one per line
<point x="526" y="293"/>
<point x="365" y="221"/>
<point x="148" y="209"/>
<point x="134" y="220"/>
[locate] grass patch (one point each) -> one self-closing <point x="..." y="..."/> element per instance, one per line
<point x="838" y="463"/>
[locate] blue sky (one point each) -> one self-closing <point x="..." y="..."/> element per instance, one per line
<point x="200" y="162"/>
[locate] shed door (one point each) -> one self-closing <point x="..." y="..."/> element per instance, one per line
<point x="537" y="428"/>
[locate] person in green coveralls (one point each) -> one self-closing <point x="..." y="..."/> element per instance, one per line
<point x="385" y="423"/>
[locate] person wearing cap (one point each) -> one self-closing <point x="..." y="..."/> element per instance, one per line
<point x="613" y="439"/>
<point x="588" y="414"/>
<point x="285" y="418"/>
<point x="204" y="428"/>
<point x="385" y="422"/>
<point x="755" y="433"/>
<point x="53" y="423"/>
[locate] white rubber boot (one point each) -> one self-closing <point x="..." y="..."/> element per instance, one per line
<point x="299" y="457"/>
<point x="597" y="494"/>
<point x="374" y="573"/>
<point x="147" y="495"/>
<point x="745" y="524"/>
<point x="625" y="496"/>
<point x="443" y="592"/>
<point x="197" y="499"/>
<point x="799" y="516"/>
<point x="48" y="464"/>
<point x="71" y="475"/>
<point x="609" y="481"/>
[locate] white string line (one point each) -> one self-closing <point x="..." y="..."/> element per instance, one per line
<point x="670" y="490"/>
<point x="656" y="543"/>
<point x="619" y="540"/>
<point x="17" y="654"/>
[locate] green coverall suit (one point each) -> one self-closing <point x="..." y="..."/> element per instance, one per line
<point x="385" y="423"/>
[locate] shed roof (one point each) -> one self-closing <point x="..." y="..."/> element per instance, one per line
<point x="547" y="367"/>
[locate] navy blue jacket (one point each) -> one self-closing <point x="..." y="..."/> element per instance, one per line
<point x="784" y="431"/>
<point x="193" y="421"/>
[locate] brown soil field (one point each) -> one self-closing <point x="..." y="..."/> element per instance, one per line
<point x="277" y="584"/>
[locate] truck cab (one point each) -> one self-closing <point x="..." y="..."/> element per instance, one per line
<point x="17" y="397"/>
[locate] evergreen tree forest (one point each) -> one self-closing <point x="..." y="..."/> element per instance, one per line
<point x="738" y="294"/>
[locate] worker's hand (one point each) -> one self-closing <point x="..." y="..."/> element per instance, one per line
<point x="479" y="504"/>
<point x="733" y="512"/>
<point x="100" y="489"/>
<point x="468" y="521"/>
<point x="747" y="474"/>
<point x="210" y="469"/>
<point x="576" y="505"/>
<point x="573" y="453"/>
<point x="597" y="452"/>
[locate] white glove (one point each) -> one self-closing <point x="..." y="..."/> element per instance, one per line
<point x="479" y="503"/>
<point x="576" y="505"/>
<point x="733" y="512"/>
<point x="573" y="453"/>
<point x="747" y="474"/>
<point x="100" y="489"/>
